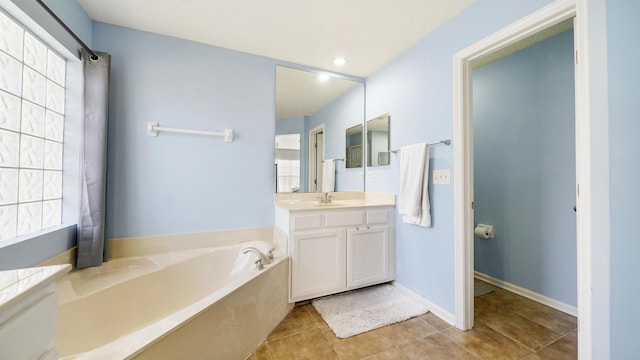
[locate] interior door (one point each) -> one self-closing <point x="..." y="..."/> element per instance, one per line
<point x="319" y="148"/>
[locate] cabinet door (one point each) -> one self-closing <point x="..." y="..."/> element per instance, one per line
<point x="317" y="263"/>
<point x="367" y="256"/>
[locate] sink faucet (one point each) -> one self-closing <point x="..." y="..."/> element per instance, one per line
<point x="262" y="259"/>
<point x="326" y="198"/>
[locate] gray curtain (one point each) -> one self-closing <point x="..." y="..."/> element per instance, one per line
<point x="92" y="249"/>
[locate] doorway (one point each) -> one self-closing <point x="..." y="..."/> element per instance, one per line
<point x="316" y="157"/>
<point x="498" y="45"/>
<point x="523" y="127"/>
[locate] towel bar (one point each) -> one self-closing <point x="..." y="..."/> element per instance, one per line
<point x="153" y="128"/>
<point x="446" y="142"/>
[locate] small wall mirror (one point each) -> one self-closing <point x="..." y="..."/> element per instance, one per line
<point x="378" y="141"/>
<point x="354" y="154"/>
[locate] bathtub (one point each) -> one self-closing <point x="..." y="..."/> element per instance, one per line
<point x="208" y="303"/>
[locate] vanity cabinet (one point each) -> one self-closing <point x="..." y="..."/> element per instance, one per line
<point x="337" y="249"/>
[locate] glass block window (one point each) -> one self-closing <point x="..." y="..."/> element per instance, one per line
<point x="32" y="102"/>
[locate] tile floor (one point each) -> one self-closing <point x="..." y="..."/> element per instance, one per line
<point x="508" y="326"/>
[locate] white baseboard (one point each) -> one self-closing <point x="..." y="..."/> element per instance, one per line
<point x="558" y="305"/>
<point x="435" y="309"/>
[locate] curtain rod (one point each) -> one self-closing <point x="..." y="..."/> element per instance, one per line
<point x="75" y="37"/>
<point x="446" y="142"/>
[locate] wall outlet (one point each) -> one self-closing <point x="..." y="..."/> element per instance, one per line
<point x="370" y="176"/>
<point x="360" y="176"/>
<point x="442" y="177"/>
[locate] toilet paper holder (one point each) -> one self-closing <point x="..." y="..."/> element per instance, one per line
<point x="484" y="231"/>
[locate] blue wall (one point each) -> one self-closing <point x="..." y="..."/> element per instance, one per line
<point x="177" y="183"/>
<point x="524" y="168"/>
<point x="416" y="90"/>
<point x="298" y="125"/>
<point x="344" y="112"/>
<point x="624" y="127"/>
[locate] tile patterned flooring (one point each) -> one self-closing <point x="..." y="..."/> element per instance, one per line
<point x="508" y="326"/>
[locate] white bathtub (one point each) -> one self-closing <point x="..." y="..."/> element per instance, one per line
<point x="195" y="304"/>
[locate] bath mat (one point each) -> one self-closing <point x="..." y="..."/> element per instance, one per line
<point x="479" y="290"/>
<point x="363" y="310"/>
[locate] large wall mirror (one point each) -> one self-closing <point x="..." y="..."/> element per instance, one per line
<point x="313" y="111"/>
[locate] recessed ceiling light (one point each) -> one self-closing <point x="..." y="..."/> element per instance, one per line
<point x="339" y="61"/>
<point x="323" y="77"/>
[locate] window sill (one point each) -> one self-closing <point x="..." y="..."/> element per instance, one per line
<point x="19" y="239"/>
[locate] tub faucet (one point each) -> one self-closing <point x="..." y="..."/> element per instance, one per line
<point x="262" y="259"/>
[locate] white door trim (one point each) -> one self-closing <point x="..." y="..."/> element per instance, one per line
<point x="463" y="61"/>
<point x="312" y="154"/>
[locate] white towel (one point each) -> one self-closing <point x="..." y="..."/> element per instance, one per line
<point x="328" y="175"/>
<point x="414" y="181"/>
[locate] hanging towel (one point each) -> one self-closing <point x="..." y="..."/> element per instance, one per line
<point x="414" y="181"/>
<point x="328" y="175"/>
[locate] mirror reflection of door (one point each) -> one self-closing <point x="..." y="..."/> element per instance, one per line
<point x="318" y="150"/>
<point x="288" y="163"/>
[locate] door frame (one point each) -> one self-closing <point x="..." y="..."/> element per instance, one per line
<point x="463" y="61"/>
<point x="312" y="155"/>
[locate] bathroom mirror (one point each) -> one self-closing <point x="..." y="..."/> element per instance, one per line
<point x="353" y="154"/>
<point x="378" y="141"/>
<point x="317" y="108"/>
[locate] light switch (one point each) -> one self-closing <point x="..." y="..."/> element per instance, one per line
<point x="441" y="177"/>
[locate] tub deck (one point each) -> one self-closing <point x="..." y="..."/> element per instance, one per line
<point x="129" y="307"/>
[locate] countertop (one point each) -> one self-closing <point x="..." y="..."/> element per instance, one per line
<point x="340" y="200"/>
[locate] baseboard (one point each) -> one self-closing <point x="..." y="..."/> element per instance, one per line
<point x="558" y="305"/>
<point x="435" y="309"/>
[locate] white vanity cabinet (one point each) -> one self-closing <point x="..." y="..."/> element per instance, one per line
<point x="337" y="249"/>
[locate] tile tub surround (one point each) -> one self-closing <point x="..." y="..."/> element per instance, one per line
<point x="145" y="245"/>
<point x="28" y="312"/>
<point x="113" y="311"/>
<point x="550" y="335"/>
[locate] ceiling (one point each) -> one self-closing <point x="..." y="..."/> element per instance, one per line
<point x="367" y="33"/>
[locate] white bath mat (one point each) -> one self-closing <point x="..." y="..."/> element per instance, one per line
<point x="359" y="311"/>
